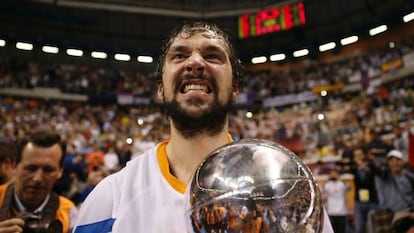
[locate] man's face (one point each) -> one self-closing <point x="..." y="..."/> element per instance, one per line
<point x="396" y="165"/>
<point x="197" y="80"/>
<point x="36" y="173"/>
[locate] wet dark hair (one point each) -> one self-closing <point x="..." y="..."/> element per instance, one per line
<point x="194" y="28"/>
<point x="41" y="138"/>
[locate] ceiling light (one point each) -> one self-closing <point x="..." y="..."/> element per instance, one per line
<point x="408" y="17"/>
<point x="327" y="46"/>
<point x="50" y="49"/>
<point x="74" y="52"/>
<point x="349" y="40"/>
<point x="24" y="46"/>
<point x="99" y="55"/>
<point x="122" y="57"/>
<point x="145" y="59"/>
<point x="257" y="60"/>
<point x="377" y="30"/>
<point x="278" y="57"/>
<point x="301" y="53"/>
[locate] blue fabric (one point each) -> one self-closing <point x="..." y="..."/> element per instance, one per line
<point x="104" y="226"/>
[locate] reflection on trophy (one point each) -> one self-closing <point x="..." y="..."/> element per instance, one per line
<point x="253" y="186"/>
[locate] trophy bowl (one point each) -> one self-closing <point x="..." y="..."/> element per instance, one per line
<point x="253" y="185"/>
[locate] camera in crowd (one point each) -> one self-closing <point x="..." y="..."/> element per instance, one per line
<point x="35" y="223"/>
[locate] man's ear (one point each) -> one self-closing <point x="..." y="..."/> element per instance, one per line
<point x="60" y="172"/>
<point x="160" y="90"/>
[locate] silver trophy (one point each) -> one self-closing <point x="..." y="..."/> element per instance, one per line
<point x="253" y="186"/>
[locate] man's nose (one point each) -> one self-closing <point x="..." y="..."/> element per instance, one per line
<point x="195" y="64"/>
<point x="38" y="175"/>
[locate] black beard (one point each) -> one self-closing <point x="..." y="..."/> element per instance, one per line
<point x="211" y="122"/>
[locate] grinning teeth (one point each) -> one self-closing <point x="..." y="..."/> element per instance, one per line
<point x="194" y="87"/>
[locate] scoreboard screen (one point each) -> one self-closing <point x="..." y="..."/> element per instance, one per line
<point x="272" y="20"/>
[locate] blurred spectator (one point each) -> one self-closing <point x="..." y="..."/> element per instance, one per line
<point x="94" y="177"/>
<point x="111" y="160"/>
<point x="95" y="158"/>
<point x="8" y="152"/>
<point x="142" y="144"/>
<point x="400" y="141"/>
<point x="395" y="184"/>
<point x="123" y="150"/>
<point x="74" y="169"/>
<point x="365" y="196"/>
<point x="334" y="193"/>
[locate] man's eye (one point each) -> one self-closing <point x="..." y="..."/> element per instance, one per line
<point x="212" y="57"/>
<point x="48" y="169"/>
<point x="178" y="56"/>
<point x="31" y="169"/>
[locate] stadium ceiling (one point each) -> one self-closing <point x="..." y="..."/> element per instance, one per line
<point x="206" y="9"/>
<point x="140" y="26"/>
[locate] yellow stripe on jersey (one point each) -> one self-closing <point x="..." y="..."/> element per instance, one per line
<point x="177" y="184"/>
<point x="162" y="157"/>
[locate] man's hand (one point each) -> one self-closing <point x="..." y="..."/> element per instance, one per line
<point x="13" y="225"/>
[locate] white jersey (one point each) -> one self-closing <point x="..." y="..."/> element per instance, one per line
<point x="144" y="197"/>
<point x="336" y="197"/>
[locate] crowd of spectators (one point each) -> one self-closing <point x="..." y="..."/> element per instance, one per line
<point x="106" y="83"/>
<point x="103" y="137"/>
